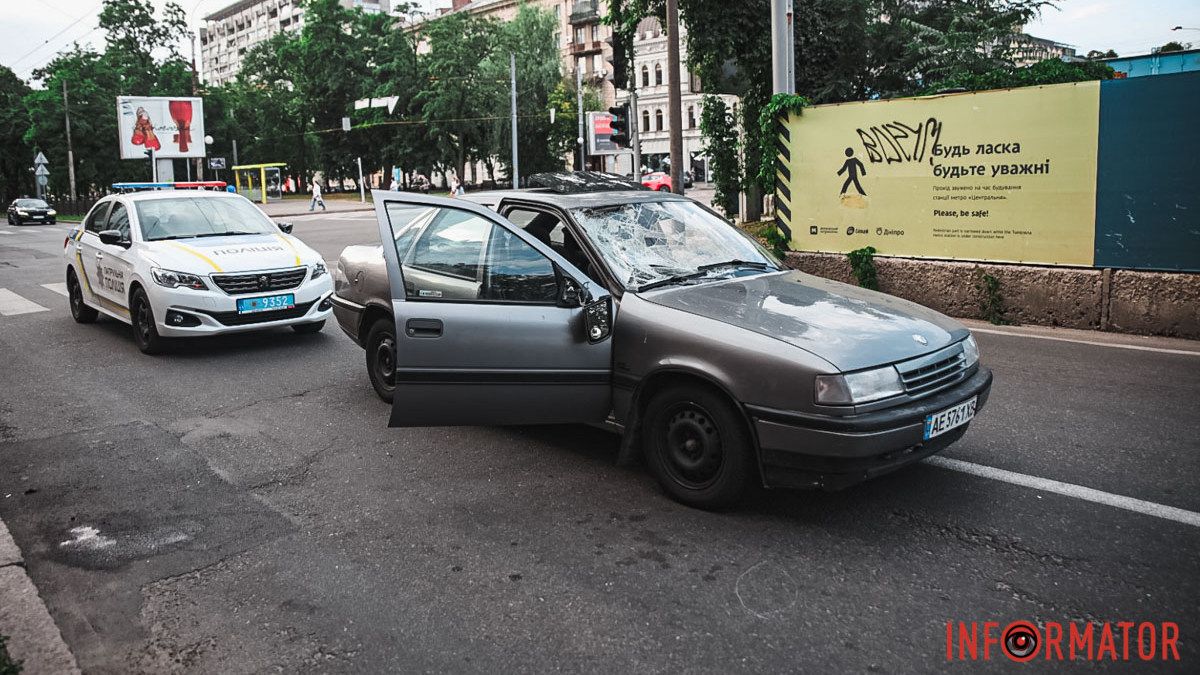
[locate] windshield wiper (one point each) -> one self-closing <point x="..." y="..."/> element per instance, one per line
<point x="678" y="278"/>
<point x="738" y="263"/>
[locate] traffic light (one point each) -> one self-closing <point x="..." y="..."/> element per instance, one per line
<point x="620" y="125"/>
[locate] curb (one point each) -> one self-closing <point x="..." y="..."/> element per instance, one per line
<point x="306" y="212"/>
<point x="33" y="637"/>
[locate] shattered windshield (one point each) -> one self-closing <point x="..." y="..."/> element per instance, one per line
<point x="650" y="242"/>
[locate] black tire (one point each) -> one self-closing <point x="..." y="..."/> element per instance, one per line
<point x="79" y="311"/>
<point x="145" y="332"/>
<point x="308" y="328"/>
<point x="381" y="357"/>
<point x="15" y="220"/>
<point x="697" y="446"/>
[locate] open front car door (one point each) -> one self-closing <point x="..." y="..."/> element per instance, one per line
<point x="492" y="325"/>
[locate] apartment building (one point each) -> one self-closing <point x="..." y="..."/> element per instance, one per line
<point x="230" y="32"/>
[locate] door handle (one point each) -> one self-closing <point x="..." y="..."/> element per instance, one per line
<point x="423" y="328"/>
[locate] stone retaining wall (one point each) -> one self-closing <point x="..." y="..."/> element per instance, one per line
<point x="1147" y="303"/>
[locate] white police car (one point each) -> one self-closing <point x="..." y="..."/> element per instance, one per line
<point x="176" y="262"/>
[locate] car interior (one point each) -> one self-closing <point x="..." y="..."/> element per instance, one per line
<point x="551" y="231"/>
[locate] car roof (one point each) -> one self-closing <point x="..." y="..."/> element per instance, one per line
<point x="578" y="200"/>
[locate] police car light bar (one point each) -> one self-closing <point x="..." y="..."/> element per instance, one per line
<point x="186" y="185"/>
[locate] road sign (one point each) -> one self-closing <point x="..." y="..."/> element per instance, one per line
<point x="42" y="181"/>
<point x="41" y="170"/>
<point x="216" y="163"/>
<point x="345" y="124"/>
<point x="41" y="159"/>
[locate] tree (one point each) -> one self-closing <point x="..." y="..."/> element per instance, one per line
<point x="15" y="154"/>
<point x="456" y="98"/>
<point x="719" y="127"/>
<point x="1171" y="46"/>
<point x="1097" y="54"/>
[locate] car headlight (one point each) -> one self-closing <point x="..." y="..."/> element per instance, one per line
<point x="970" y="352"/>
<point x="318" y="270"/>
<point x="861" y="387"/>
<point x="22" y="212"/>
<point x="172" y="279"/>
<point x="52" y="212"/>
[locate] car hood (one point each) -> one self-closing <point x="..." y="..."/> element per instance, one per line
<point x="851" y="327"/>
<point x="237" y="253"/>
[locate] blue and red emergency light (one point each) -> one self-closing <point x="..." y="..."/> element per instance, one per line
<point x="185" y="185"/>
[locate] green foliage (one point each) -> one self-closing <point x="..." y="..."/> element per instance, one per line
<point x="7" y="665"/>
<point x="768" y="128"/>
<point x="15" y="153"/>
<point x="719" y="128"/>
<point x="777" y="241"/>
<point x="991" y="304"/>
<point x="862" y="264"/>
<point x="1172" y="46"/>
<point x="1050" y="71"/>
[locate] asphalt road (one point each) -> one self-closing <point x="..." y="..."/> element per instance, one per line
<point x="240" y="505"/>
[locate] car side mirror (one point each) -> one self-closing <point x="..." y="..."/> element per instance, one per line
<point x="597" y="320"/>
<point x="286" y="228"/>
<point x="114" y="238"/>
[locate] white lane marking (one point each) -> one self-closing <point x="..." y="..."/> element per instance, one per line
<point x="12" y="304"/>
<point x="5" y="232"/>
<point x="1070" y="490"/>
<point x="1096" y="343"/>
<point x="61" y="289"/>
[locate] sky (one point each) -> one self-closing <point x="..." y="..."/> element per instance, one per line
<point x="32" y="31"/>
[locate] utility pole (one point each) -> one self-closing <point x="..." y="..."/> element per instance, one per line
<point x="70" y="150"/>
<point x="516" y="172"/>
<point x="579" y="109"/>
<point x="634" y="131"/>
<point x="362" y="189"/>
<point x="235" y="161"/>
<point x="674" y="110"/>
<point x="783" y="58"/>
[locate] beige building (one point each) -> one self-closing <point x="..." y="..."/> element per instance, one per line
<point x="229" y="33"/>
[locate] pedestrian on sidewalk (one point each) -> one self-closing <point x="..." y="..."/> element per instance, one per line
<point x="316" y="196"/>
<point x="393" y="186"/>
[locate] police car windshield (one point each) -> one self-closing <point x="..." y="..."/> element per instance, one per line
<point x="31" y="204"/>
<point x="187" y="217"/>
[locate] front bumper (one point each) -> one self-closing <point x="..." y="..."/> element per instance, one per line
<point x="822" y="451"/>
<point x="213" y="312"/>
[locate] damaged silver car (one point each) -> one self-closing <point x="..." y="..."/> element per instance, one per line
<point x="647" y="311"/>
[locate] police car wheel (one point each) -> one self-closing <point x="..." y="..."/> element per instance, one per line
<point x="145" y="333"/>
<point x="79" y="311"/>
<point x="381" y="358"/>
<point x="306" y="328"/>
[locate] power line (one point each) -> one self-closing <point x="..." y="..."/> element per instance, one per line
<point x="52" y="37"/>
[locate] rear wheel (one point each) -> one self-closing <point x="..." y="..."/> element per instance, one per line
<point x="79" y="311"/>
<point x="145" y="332"/>
<point x="306" y="328"/>
<point x="697" y="446"/>
<point x="381" y="357"/>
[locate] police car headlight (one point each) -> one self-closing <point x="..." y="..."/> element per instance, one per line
<point x="22" y="212"/>
<point x="178" y="279"/>
<point x="318" y="270"/>
<point x="52" y="212"/>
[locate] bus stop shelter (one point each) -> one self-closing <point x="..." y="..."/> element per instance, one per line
<point x="259" y="182"/>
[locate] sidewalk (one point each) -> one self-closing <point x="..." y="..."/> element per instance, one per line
<point x="299" y="207"/>
<point x="33" y="637"/>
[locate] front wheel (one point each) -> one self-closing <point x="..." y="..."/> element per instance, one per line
<point x="306" y="328"/>
<point x="79" y="310"/>
<point x="145" y="332"/>
<point x="381" y="358"/>
<point x="698" y="447"/>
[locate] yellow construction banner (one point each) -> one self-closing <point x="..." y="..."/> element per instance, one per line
<point x="1006" y="175"/>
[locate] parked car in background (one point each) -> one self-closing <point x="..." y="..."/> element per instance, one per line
<point x="657" y="180"/>
<point x="649" y="312"/>
<point x="30" y="210"/>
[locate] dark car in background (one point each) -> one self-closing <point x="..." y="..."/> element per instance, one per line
<point x="646" y="310"/>
<point x="30" y="210"/>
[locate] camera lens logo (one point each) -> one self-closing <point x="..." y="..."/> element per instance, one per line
<point x="812" y="229"/>
<point x="1020" y="642"/>
<point x="850" y="230"/>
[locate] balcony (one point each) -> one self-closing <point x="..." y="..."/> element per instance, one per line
<point x="586" y="47"/>
<point x="585" y="11"/>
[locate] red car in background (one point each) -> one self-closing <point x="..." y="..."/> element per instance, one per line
<point x="657" y="180"/>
